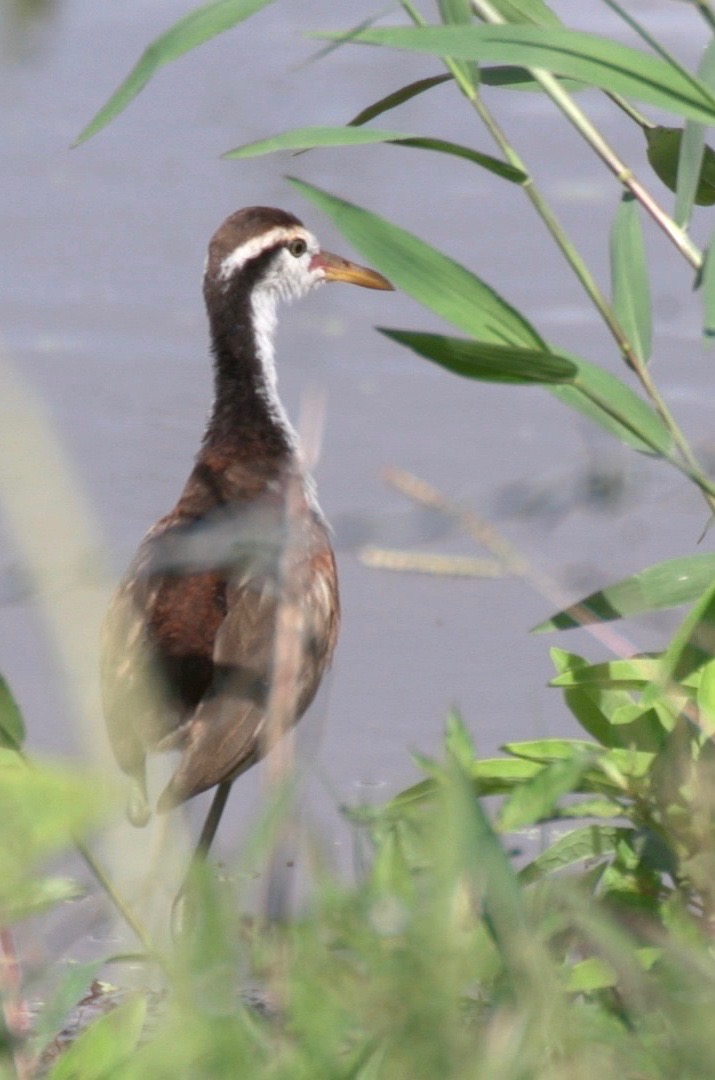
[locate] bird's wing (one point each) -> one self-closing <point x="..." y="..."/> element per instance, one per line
<point x="276" y="641"/>
<point x="224" y="733"/>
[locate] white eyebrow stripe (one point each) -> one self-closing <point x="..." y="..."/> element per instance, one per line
<point x="252" y="248"/>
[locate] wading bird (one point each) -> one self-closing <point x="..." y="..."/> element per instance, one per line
<point x="189" y="639"/>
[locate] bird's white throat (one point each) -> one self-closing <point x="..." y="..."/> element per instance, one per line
<point x="264" y="316"/>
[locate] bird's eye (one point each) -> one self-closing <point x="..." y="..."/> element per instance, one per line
<point x="297" y="247"/>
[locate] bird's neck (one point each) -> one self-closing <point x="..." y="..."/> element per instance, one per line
<point x="246" y="407"/>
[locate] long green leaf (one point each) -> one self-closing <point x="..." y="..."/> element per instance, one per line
<point x="593" y="973"/>
<point x="532" y="12"/>
<point x="611" y="403"/>
<point x="397" y="97"/>
<point x="631" y="674"/>
<point x="693" y="644"/>
<point x="592" y="706"/>
<point x="548" y="750"/>
<point x="425" y="274"/>
<point x="310" y="138"/>
<point x="466" y="301"/>
<point x="663" y="148"/>
<point x="664" y="585"/>
<point x="536" y="799"/>
<point x="490" y="363"/>
<point x="589" y="842"/>
<point x="586" y="57"/>
<point x="629" y="277"/>
<point x="518" y="78"/>
<point x="193" y="29"/>
<point x="12" y="727"/>
<point x="693" y="151"/>
<point x="707" y="283"/>
<point x="101" y="1049"/>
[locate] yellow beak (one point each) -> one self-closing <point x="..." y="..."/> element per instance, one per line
<point x="338" y="269"/>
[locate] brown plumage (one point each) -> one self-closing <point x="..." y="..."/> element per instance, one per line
<point x="188" y="645"/>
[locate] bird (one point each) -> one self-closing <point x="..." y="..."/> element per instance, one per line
<point x="188" y="642"/>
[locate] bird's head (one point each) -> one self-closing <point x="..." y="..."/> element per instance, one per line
<point x="261" y="250"/>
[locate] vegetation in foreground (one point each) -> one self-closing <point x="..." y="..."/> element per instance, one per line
<point x="595" y="957"/>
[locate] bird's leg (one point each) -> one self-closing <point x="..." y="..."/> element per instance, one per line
<point x="218" y="804"/>
<point x="179" y="914"/>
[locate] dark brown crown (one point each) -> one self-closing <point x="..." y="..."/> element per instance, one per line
<point x="245" y="225"/>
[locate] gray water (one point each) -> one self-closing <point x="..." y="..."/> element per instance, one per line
<point x="101" y="312"/>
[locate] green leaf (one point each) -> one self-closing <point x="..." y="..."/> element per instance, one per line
<point x="498" y="776"/>
<point x="663" y="147"/>
<point x="664" y="585"/>
<point x="459" y="13"/>
<point x="472" y="848"/>
<point x="536" y="799"/>
<point x="548" y="750"/>
<point x="629" y="277"/>
<point x="592" y="808"/>
<point x="490" y="363"/>
<point x="193" y="29"/>
<point x="631" y="674"/>
<point x="72" y="986"/>
<point x="693" y="643"/>
<point x="518" y="78"/>
<point x="397" y="97"/>
<point x="588" y="842"/>
<point x="425" y="274"/>
<point x="707" y="283"/>
<point x="593" y="707"/>
<point x="35" y="895"/>
<point x="12" y="727"/>
<point x="690" y="161"/>
<point x="311" y="137"/>
<point x="706" y="699"/>
<point x="458" y="741"/>
<point x="103" y="1047"/>
<point x="591" y="974"/>
<point x="390" y="873"/>
<point x="42" y="808"/>
<point x="485" y="161"/>
<point x="594" y="60"/>
<point x="455" y="12"/>
<point x="534" y="12"/>
<point x="611" y="403"/>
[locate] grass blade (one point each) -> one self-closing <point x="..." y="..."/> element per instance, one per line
<point x="532" y="12"/>
<point x="12" y="726"/>
<point x="707" y="283"/>
<point x="664" y="585"/>
<point x="664" y="150"/>
<point x="693" y="150"/>
<point x="486" y="362"/>
<point x="397" y="97"/>
<point x="589" y="842"/>
<point x="425" y="274"/>
<point x="309" y="138"/>
<point x="587" y="57"/>
<point x="193" y="29"/>
<point x="611" y="403"/>
<point x="536" y="799"/>
<point x="629" y="277"/>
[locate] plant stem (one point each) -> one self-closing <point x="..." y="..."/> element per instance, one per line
<point x="116" y="898"/>
<point x="605" y="151"/>
<point x="103" y="880"/>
